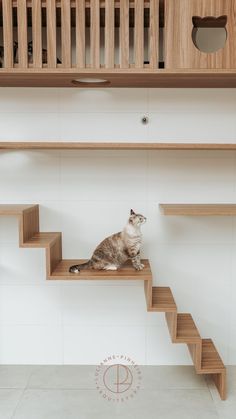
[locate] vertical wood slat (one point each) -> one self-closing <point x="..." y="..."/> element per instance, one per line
<point x="51" y="34"/>
<point x="22" y="33"/>
<point x="124" y="33"/>
<point x="95" y="33"/>
<point x="139" y="34"/>
<point x="37" y="33"/>
<point x="66" y="33"/>
<point x="80" y="34"/>
<point x="109" y="33"/>
<point x="7" y="33"/>
<point x="154" y="34"/>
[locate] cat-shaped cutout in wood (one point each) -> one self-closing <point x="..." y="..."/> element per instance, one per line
<point x="209" y="33"/>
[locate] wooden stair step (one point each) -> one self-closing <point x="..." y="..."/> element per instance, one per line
<point x="14" y="209"/>
<point x="42" y="240"/>
<point x="125" y="273"/>
<point x="211" y="360"/>
<point x="163" y="300"/>
<point x="187" y="331"/>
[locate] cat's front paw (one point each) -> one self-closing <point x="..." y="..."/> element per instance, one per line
<point x="139" y="267"/>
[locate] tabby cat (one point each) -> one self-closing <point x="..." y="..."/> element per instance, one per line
<point x="115" y="250"/>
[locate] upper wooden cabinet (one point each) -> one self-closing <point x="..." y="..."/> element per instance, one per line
<point x="117" y="43"/>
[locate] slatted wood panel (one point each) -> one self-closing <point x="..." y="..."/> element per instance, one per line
<point x="139" y="34"/>
<point x="7" y="33"/>
<point x="109" y="33"/>
<point x="66" y="33"/>
<point x="51" y="34"/>
<point x="154" y="34"/>
<point x="37" y="33"/>
<point x="95" y="33"/>
<point x="124" y="33"/>
<point x="80" y="34"/>
<point x="22" y="34"/>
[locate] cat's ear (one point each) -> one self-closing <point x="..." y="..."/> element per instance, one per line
<point x="132" y="212"/>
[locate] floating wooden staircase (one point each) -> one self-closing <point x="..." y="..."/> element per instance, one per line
<point x="159" y="299"/>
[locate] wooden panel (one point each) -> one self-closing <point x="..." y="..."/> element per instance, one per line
<point x="221" y="383"/>
<point x="9" y="145"/>
<point x="22" y="34"/>
<point x="211" y="361"/>
<point x="41" y="240"/>
<point x="154" y="33"/>
<point x="163" y="300"/>
<point x="95" y="33"/>
<point x="30" y="223"/>
<point x="37" y="33"/>
<point x="180" y="49"/>
<point x="51" y="34"/>
<point x="14" y="209"/>
<point x="109" y="33"/>
<point x="124" y="33"/>
<point x="187" y="331"/>
<point x="195" y="350"/>
<point x="127" y="272"/>
<point x="7" y="33"/>
<point x="139" y="34"/>
<point x="198" y="209"/>
<point x="80" y="33"/>
<point x="66" y="33"/>
<point x="53" y="255"/>
<point x="171" y="319"/>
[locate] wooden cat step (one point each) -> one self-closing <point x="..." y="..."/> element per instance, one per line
<point x="127" y="272"/>
<point x="159" y="299"/>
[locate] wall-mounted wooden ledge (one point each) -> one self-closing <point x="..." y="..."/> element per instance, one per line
<point x="45" y="77"/>
<point x="8" y="145"/>
<point x="198" y="209"/>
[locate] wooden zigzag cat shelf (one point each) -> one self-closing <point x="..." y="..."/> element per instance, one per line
<point x="159" y="299"/>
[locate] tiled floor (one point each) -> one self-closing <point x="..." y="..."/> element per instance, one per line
<point x="69" y="392"/>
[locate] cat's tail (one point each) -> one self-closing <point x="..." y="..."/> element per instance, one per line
<point x="77" y="268"/>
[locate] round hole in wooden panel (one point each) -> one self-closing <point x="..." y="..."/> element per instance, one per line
<point x="209" y="34"/>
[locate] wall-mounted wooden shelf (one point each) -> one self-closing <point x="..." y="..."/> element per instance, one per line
<point x="128" y="43"/>
<point x="198" y="209"/>
<point x="113" y="146"/>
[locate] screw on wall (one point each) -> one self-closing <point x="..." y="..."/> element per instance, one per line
<point x="145" y="120"/>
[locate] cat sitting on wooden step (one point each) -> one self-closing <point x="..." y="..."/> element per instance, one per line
<point x="115" y="250"/>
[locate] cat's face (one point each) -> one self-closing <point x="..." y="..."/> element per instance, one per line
<point x="136" y="219"/>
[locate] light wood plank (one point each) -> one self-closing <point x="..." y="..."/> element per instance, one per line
<point x="22" y="34"/>
<point x="80" y="34"/>
<point x="66" y="33"/>
<point x="154" y="33"/>
<point x="124" y="33"/>
<point x="139" y="34"/>
<point x="37" y="33"/>
<point x="95" y="33"/>
<point x="51" y="34"/>
<point x="7" y="33"/>
<point x="127" y="272"/>
<point x="109" y="33"/>
<point x="198" y="209"/>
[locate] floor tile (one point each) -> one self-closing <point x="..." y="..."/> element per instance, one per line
<point x="8" y="402"/>
<point x="15" y="376"/>
<point x="64" y="404"/>
<point x="63" y="377"/>
<point x="172" y="377"/>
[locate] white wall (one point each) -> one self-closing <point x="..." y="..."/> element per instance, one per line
<point x="87" y="195"/>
